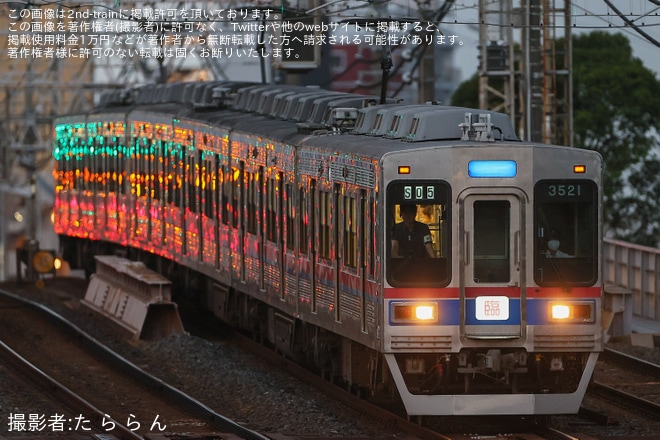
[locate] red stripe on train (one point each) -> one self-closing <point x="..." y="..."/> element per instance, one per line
<point x="511" y="292"/>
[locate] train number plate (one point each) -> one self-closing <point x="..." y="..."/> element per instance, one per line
<point x="492" y="308"/>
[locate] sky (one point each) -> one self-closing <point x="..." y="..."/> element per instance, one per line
<point x="588" y="15"/>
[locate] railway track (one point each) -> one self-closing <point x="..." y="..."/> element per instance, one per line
<point x="398" y="426"/>
<point x="148" y="407"/>
<point x="630" y="381"/>
<point x="431" y="428"/>
<point x="104" y="392"/>
<point x="379" y="415"/>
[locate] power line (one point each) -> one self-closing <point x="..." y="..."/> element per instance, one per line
<point x="632" y="24"/>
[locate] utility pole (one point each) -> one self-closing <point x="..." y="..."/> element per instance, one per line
<point x="497" y="73"/>
<point x="548" y="57"/>
<point x="525" y="66"/>
<point x="426" y="80"/>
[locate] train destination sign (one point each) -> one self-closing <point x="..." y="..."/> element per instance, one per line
<point x="566" y="190"/>
<point x="419" y="192"/>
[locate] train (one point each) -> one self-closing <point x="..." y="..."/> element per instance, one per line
<point x="291" y="211"/>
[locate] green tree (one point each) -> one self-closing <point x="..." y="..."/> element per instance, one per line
<point x="616" y="106"/>
<point x="467" y="93"/>
<point x="637" y="218"/>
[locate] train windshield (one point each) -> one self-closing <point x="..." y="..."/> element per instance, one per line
<point x="566" y="224"/>
<point x="418" y="221"/>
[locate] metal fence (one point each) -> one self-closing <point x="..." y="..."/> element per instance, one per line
<point x="635" y="268"/>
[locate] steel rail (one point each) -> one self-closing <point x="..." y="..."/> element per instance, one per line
<point x="155" y="384"/>
<point x="62" y="393"/>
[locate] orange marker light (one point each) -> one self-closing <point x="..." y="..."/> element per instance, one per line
<point x="404" y="169"/>
<point x="580" y="169"/>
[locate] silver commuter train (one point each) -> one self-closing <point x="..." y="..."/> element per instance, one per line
<point x="280" y="204"/>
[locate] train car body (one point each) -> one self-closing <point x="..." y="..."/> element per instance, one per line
<point x="281" y="208"/>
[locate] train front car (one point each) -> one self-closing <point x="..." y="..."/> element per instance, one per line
<point x="503" y="315"/>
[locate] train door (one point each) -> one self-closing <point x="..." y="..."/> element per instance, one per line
<point x="491" y="244"/>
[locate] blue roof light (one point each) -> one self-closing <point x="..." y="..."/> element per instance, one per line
<point x="492" y="168"/>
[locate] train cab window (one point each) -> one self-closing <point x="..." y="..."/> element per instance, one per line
<point x="566" y="227"/>
<point x="418" y="222"/>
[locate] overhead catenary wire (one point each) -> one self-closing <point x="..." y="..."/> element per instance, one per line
<point x="632" y="24"/>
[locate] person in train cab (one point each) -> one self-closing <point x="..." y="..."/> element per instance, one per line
<point x="553" y="247"/>
<point x="410" y="238"/>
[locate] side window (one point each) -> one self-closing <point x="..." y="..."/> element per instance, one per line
<point x="208" y="182"/>
<point x="290" y="216"/>
<point x="146" y="170"/>
<point x="78" y="164"/>
<point x="156" y="169"/>
<point x="85" y="170"/>
<point x="225" y="182"/>
<point x="303" y="219"/>
<point x="168" y="193"/>
<point x="325" y="226"/>
<point x="369" y="251"/>
<point x="178" y="173"/>
<point x="272" y="195"/>
<point x="122" y="164"/>
<point x="192" y="181"/>
<point x="252" y="202"/>
<point x="269" y="217"/>
<point x="95" y="175"/>
<point x="132" y="168"/>
<point x="350" y="232"/>
<point x="149" y="178"/>
<point x="237" y="178"/>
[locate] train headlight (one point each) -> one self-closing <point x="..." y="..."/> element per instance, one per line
<point x="572" y="311"/>
<point x="425" y="313"/>
<point x="414" y="313"/>
<point x="560" y="311"/>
